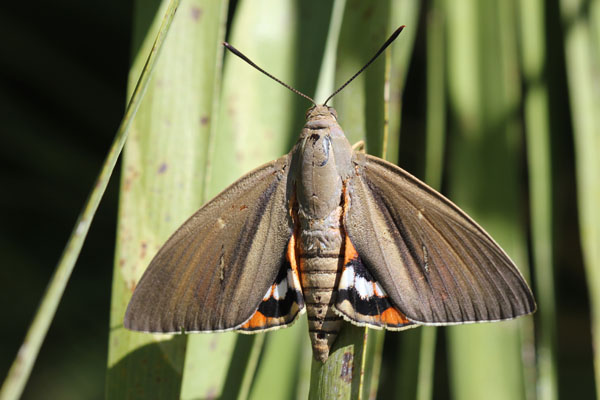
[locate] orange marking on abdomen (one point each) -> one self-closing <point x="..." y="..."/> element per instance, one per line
<point x="350" y="252"/>
<point x="293" y="257"/>
<point x="293" y="250"/>
<point x="291" y="253"/>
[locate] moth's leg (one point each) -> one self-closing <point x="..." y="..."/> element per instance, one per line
<point x="360" y="146"/>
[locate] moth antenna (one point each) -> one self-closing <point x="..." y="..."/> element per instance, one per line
<point x="243" y="57"/>
<point x="381" y="50"/>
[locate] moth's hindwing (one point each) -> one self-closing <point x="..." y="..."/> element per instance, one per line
<point x="283" y="302"/>
<point x="213" y="273"/>
<point x="361" y="300"/>
<point x="434" y="262"/>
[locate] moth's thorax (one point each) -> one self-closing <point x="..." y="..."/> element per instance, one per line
<point x="323" y="157"/>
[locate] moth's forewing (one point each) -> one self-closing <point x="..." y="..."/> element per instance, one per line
<point x="435" y="263"/>
<point x="213" y="272"/>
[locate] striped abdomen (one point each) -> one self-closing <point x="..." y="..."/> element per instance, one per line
<point x="320" y="256"/>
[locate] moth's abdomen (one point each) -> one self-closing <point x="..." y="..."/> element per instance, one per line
<point x="320" y="256"/>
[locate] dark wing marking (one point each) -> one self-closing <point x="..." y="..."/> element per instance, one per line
<point x="281" y="305"/>
<point x="435" y="263"/>
<point x="212" y="274"/>
<point x="362" y="301"/>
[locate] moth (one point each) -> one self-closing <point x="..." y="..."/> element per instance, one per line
<point x="335" y="233"/>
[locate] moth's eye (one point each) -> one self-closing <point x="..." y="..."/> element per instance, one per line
<point x="308" y="112"/>
<point x="333" y="112"/>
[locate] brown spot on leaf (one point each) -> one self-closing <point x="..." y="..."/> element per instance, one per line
<point x="131" y="175"/>
<point x="143" y="249"/>
<point x="231" y="105"/>
<point x="196" y="13"/>
<point x="368" y="13"/>
<point x="269" y="134"/>
<point x="239" y="156"/>
<point x="205" y="119"/>
<point x="162" y="168"/>
<point x="211" y="393"/>
<point x="347" y="362"/>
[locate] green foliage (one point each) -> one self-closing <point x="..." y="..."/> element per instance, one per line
<point x="483" y="180"/>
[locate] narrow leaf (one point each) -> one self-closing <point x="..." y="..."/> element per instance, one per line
<point x="581" y="22"/>
<point x="163" y="172"/>
<point x="485" y="360"/>
<point x="537" y="125"/>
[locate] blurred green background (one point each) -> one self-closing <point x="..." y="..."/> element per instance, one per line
<point x="63" y="82"/>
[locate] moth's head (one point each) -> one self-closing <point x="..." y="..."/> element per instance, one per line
<point x="320" y="112"/>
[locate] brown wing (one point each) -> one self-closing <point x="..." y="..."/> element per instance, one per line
<point x="435" y="263"/>
<point x="212" y="274"/>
